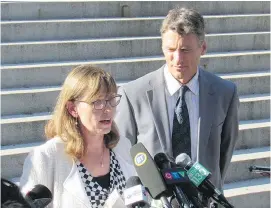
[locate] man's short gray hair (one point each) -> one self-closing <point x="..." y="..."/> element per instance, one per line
<point x="184" y="21"/>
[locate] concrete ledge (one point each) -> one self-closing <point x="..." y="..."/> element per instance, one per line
<point x="54" y="73"/>
<point x="247" y="187"/>
<point x="130" y="38"/>
<point x="64" y="10"/>
<point x="12" y="157"/>
<point x="251" y="193"/>
<point x="243" y="159"/>
<point x="24" y="132"/>
<point x="106" y="19"/>
<point x="20" y="129"/>
<point x="15" y="91"/>
<point x="118" y="27"/>
<point x="248" y="154"/>
<point x="18" y="148"/>
<point x="238" y="75"/>
<point x="250" y="98"/>
<point x="26" y="118"/>
<point x="244" y="125"/>
<point x="128" y="60"/>
<point x="254" y="107"/>
<point x="43" y="99"/>
<point x="42" y="51"/>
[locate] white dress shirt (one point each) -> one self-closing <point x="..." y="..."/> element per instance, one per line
<point x="192" y="101"/>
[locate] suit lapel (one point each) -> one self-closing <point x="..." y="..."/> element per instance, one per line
<point x="74" y="185"/>
<point x="157" y="102"/>
<point x="206" y="113"/>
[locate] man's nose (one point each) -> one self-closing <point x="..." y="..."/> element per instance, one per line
<point x="178" y="57"/>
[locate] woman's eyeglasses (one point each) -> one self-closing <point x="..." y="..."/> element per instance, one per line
<point x="100" y="104"/>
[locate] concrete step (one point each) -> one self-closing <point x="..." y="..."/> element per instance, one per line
<point x="85" y="28"/>
<point x="22" y="129"/>
<point x="253" y="107"/>
<point x="243" y="159"/>
<point x="54" y="73"/>
<point x="253" y="134"/>
<point x="250" y="82"/>
<point x="27" y="128"/>
<point x="12" y="159"/>
<point x="84" y="49"/>
<point x="36" y="100"/>
<point x="251" y="193"/>
<point x="67" y="10"/>
<point x="29" y="100"/>
<point x="43" y="99"/>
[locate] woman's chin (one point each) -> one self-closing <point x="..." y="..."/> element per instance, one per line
<point x="106" y="130"/>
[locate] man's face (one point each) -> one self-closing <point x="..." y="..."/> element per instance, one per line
<point x="182" y="54"/>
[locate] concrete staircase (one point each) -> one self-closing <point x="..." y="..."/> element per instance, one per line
<point x="41" y="42"/>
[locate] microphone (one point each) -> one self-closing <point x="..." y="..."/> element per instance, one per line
<point x="114" y="200"/>
<point x="39" y="197"/>
<point x="264" y="171"/>
<point x="259" y="169"/>
<point x="11" y="195"/>
<point x="135" y="194"/>
<point x="199" y="176"/>
<point x="148" y="173"/>
<point x="174" y="177"/>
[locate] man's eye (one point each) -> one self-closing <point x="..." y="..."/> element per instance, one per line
<point x="185" y="50"/>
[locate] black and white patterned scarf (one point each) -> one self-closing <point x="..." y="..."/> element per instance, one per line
<point x="98" y="195"/>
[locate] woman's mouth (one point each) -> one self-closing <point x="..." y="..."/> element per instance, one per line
<point x="106" y="121"/>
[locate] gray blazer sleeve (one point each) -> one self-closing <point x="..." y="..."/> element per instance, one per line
<point x="229" y="134"/>
<point x="125" y="118"/>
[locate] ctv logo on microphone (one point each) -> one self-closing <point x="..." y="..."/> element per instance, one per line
<point x="174" y="175"/>
<point x="140" y="159"/>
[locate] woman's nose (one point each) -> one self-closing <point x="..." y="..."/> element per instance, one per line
<point x="107" y="107"/>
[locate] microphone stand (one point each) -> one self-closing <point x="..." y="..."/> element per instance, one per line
<point x="165" y="202"/>
<point x="181" y="198"/>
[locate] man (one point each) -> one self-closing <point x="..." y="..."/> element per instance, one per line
<point x="180" y="107"/>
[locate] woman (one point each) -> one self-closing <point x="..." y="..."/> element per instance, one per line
<point x="84" y="160"/>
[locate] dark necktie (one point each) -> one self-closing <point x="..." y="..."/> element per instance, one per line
<point x="181" y="141"/>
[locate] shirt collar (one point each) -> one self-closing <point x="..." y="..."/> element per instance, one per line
<point x="173" y="85"/>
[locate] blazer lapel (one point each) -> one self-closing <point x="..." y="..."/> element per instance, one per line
<point x="206" y="113"/>
<point x="157" y="102"/>
<point x="74" y="185"/>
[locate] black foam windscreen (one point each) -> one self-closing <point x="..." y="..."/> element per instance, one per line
<point x="39" y="191"/>
<point x="147" y="171"/>
<point x="39" y="197"/>
<point x="11" y="195"/>
<point x="162" y="161"/>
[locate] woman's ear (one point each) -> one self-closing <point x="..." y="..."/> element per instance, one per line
<point x="71" y="109"/>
